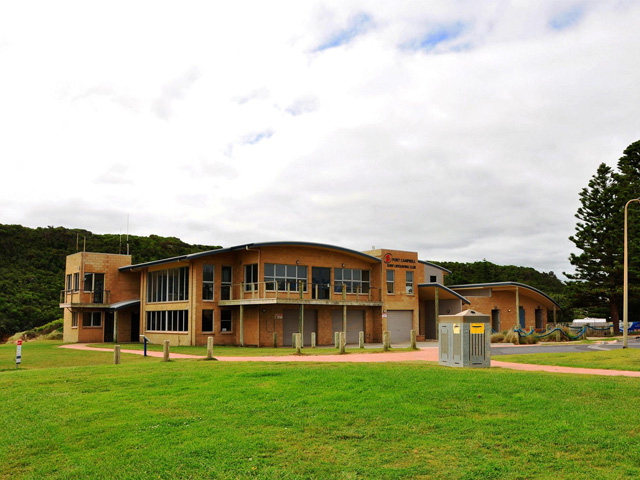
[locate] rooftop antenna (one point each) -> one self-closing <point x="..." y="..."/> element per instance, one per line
<point x="127" y="234"/>
<point x="120" y="245"/>
<point x="84" y="244"/>
<point x="77" y="241"/>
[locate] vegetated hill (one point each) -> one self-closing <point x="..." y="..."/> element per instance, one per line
<point x="32" y="263"/>
<point x="486" y="272"/>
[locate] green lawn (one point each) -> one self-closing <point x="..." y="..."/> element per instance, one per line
<point x="232" y="351"/>
<point x="628" y="359"/>
<point x="197" y="419"/>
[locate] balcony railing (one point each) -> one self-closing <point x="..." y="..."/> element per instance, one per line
<point x="302" y="290"/>
<point x="99" y="297"/>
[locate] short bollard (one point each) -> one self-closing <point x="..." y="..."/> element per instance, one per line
<point x="293" y="340"/>
<point x="165" y="351"/>
<point x="116" y="355"/>
<point x="275" y="340"/>
<point x="298" y="340"/>
<point x="386" y="342"/>
<point x="313" y="339"/>
<point x="343" y="342"/>
<point x="336" y="339"/>
<point x="209" y="348"/>
<point x="413" y="340"/>
<point x="361" y="339"/>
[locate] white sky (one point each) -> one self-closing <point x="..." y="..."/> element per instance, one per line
<point x="459" y="129"/>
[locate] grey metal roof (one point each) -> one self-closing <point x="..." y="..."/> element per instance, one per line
<point x="435" y="266"/>
<point x="504" y="284"/>
<point x="124" y="304"/>
<point x="218" y="251"/>
<point x="448" y="289"/>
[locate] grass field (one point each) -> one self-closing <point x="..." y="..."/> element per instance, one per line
<point x="232" y="351"/>
<point x="628" y="359"/>
<point x="197" y="419"/>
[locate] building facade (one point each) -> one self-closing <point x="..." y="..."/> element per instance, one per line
<point x="256" y="294"/>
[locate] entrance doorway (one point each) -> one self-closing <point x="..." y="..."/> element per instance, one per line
<point x="320" y="283"/>
<point x="495" y="319"/>
<point x="523" y="321"/>
<point x="108" y="327"/>
<point x="135" y="326"/>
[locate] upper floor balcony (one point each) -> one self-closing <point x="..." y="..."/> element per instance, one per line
<point x="284" y="292"/>
<point x="81" y="298"/>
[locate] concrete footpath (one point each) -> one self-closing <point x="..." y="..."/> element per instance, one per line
<point x="428" y="354"/>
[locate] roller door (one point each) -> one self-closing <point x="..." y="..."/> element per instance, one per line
<point x="355" y="324"/>
<point x="400" y="324"/>
<point x="291" y="322"/>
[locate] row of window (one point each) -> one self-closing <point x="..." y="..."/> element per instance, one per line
<point x="89" y="319"/>
<point x="170" y="285"/>
<point x="168" y="321"/>
<point x="208" y="321"/>
<point x="92" y="282"/>
<point x="173" y="284"/>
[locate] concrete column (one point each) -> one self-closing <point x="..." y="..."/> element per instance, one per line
<point x="437" y="307"/>
<point x="518" y="307"/>
<point x="115" y="327"/>
<point x="344" y="319"/>
<point x="165" y="351"/>
<point x="209" y="348"/>
<point x="301" y="326"/>
<point x="242" y="325"/>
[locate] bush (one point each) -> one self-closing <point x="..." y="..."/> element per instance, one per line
<point x="497" y="337"/>
<point x="512" y="337"/>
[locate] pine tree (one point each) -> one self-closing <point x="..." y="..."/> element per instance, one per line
<point x="600" y="236"/>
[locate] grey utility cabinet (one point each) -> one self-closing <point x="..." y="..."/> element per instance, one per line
<point x="465" y="339"/>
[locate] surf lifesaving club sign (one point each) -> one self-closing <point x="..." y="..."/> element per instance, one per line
<point x="396" y="262"/>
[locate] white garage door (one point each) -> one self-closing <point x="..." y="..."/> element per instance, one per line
<point x="291" y="322"/>
<point x="400" y="324"/>
<point x="355" y="324"/>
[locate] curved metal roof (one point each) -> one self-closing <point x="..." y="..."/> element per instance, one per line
<point x="217" y="251"/>
<point x="442" y="287"/>
<point x="435" y="266"/>
<point x="504" y="284"/>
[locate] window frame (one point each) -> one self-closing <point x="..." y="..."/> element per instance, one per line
<point x="226" y="284"/>
<point x="351" y="283"/>
<point x="168" y="285"/>
<point x="91" y="316"/>
<point x="409" y="284"/>
<point x="391" y="282"/>
<point x="74" y="319"/>
<point x="282" y="276"/>
<point x="76" y="282"/>
<point x="224" y="320"/>
<point x="251" y="276"/>
<point x="208" y="286"/>
<point x="161" y="320"/>
<point x="202" y="319"/>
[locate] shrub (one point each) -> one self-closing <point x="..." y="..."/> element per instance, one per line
<point x="497" y="337"/>
<point x="512" y="337"/>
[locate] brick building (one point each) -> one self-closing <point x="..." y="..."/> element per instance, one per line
<point x="250" y="294"/>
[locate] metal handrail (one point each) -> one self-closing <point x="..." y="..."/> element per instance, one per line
<point x="98" y="297"/>
<point x="304" y="290"/>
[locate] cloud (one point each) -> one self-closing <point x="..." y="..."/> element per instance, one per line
<point x="463" y="130"/>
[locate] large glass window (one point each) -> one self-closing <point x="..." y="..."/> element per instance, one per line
<point x="207" y="320"/>
<point x="69" y="283"/>
<point x="284" y="276"/>
<point x="225" y="321"/>
<point x="76" y="281"/>
<point x="409" y="283"/>
<point x="94" y="282"/>
<point x="208" y="276"/>
<point x="92" y="319"/>
<point x="354" y="280"/>
<point x="251" y="277"/>
<point x="168" y="321"/>
<point x="226" y="283"/>
<point x="170" y="285"/>
<point x="74" y="319"/>
<point x="390" y="280"/>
